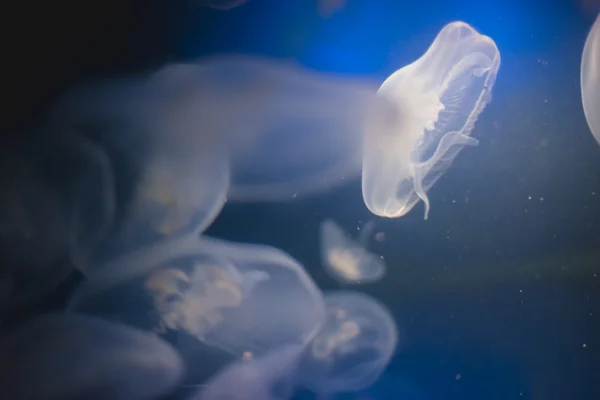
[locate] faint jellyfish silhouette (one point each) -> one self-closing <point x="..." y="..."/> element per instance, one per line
<point x="34" y="221"/>
<point x="348" y="261"/>
<point x="269" y="377"/>
<point x="241" y="298"/>
<point x="71" y="356"/>
<point x="191" y="135"/>
<point x="433" y="104"/>
<point x="171" y="181"/>
<point x="590" y="79"/>
<point x="353" y="348"/>
<point x="289" y="131"/>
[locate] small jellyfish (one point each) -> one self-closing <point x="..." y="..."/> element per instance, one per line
<point x="348" y="261"/>
<point x="590" y="79"/>
<point x="270" y="377"/>
<point x="352" y="349"/>
<point x="432" y="106"/>
<point x="241" y="298"/>
<point x="81" y="357"/>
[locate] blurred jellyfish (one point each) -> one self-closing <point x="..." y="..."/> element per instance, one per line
<point x="347" y="261"/>
<point x="241" y="298"/>
<point x="172" y="180"/>
<point x="437" y="100"/>
<point x="79" y="357"/>
<point x="290" y="131"/>
<point x="34" y="221"/>
<point x="352" y="349"/>
<point x="590" y="79"/>
<point x="189" y="136"/>
<point x="269" y="377"/>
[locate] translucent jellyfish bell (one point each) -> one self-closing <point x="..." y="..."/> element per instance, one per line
<point x="78" y="357"/>
<point x="590" y="79"/>
<point x="437" y="100"/>
<point x="353" y="347"/>
<point x="348" y="261"/>
<point x="172" y="178"/>
<point x="289" y="131"/>
<point x="240" y="298"/>
<point x="269" y="377"/>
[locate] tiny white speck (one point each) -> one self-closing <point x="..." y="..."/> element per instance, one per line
<point x="529" y="198"/>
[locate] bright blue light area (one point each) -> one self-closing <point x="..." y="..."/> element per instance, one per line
<point x="372" y="36"/>
<point x="360" y="38"/>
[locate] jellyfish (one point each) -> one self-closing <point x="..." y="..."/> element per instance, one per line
<point x="172" y="181"/>
<point x="75" y="357"/>
<point x="348" y="261"/>
<point x="590" y="79"/>
<point x="437" y="100"/>
<point x="241" y="298"/>
<point x="353" y="347"/>
<point x="287" y="131"/>
<point x="34" y="221"/>
<point x="269" y="377"/>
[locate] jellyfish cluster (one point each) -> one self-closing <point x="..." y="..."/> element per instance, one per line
<point x="161" y="297"/>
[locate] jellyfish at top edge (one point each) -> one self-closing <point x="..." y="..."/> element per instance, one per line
<point x="353" y="347"/>
<point x="269" y="377"/>
<point x="241" y="298"/>
<point x="77" y="357"/>
<point x="346" y="260"/>
<point x="590" y="79"/>
<point x="432" y="107"/>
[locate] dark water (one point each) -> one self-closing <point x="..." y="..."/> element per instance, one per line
<point x="497" y="295"/>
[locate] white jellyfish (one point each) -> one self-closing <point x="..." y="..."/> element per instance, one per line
<point x="433" y="104"/>
<point x="346" y="260"/>
<point x="238" y="297"/>
<point x="353" y="347"/>
<point x="77" y="357"/>
<point x="590" y="79"/>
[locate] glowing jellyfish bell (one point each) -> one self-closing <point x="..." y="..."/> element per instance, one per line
<point x="590" y="79"/>
<point x="242" y="298"/>
<point x="74" y="356"/>
<point x="433" y="105"/>
<point x="352" y="349"/>
<point x="346" y="260"/>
